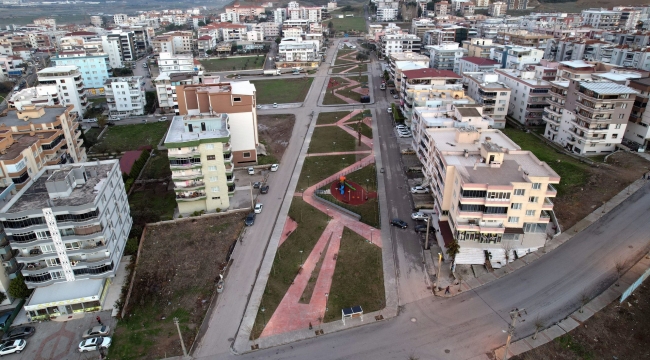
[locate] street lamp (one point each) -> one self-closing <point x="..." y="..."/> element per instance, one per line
<point x="263" y="316"/>
<point x="307" y="180"/>
<point x="326" y="300"/>
<point x="300" y="258"/>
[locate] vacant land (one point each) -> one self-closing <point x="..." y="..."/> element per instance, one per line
<point x="331" y="117"/>
<point x="275" y="132"/>
<point x="333" y="139"/>
<point x="582" y="187"/>
<point x="131" y="137"/>
<point x="360" y="67"/>
<point x="311" y="223"/>
<point x="317" y="168"/>
<point x="347" y="24"/>
<point x="175" y="278"/>
<point x="358" y="277"/>
<point x="282" y="91"/>
<point x="158" y="166"/>
<point x="619" y="331"/>
<point x="151" y="203"/>
<point x="234" y="63"/>
<point x="343" y="87"/>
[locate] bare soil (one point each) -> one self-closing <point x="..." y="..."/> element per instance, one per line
<point x="275" y="132"/>
<point x="619" y="331"/>
<point x="602" y="184"/>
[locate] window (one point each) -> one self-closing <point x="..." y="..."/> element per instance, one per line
<point x="211" y="157"/>
<point x="209" y="146"/>
<point x="623" y="106"/>
<point x="614" y="136"/>
<point x="515" y="206"/>
<point x="592" y="145"/>
<point x="620" y="116"/>
<point x="533" y="199"/>
<point x="498" y="195"/>
<point x="43" y="234"/>
<point x="213" y="178"/>
<point x="503" y="93"/>
<point x="247" y="154"/>
<point x="618" y="126"/>
<point x="215" y="189"/>
<point x="48" y="249"/>
<point x="530" y="212"/>
<point x="537" y="186"/>
<point x="212" y="168"/>
<point x="237" y="99"/>
<point x="513" y="219"/>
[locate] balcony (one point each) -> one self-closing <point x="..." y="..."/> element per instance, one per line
<point x="190" y="185"/>
<point x="185" y="166"/>
<point x="550" y="190"/>
<point x="548" y="204"/>
<point x="191" y="197"/>
<point x="550" y="119"/>
<point x="545" y="215"/>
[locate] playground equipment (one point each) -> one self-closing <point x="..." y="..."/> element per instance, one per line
<point x="343" y="184"/>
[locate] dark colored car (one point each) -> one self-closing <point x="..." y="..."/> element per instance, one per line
<point x="264" y="189"/>
<point x="250" y="219"/>
<point x="399" y="223"/>
<point x="256" y="185"/>
<point x="21" y="332"/>
<point x="4" y="318"/>
<point x="423" y="229"/>
<point x="110" y="123"/>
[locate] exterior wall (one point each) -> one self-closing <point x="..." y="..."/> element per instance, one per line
<point x="94" y="69"/>
<point x="125" y="96"/>
<point x="70" y="85"/>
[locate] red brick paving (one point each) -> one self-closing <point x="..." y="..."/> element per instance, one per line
<point x="289" y="227"/>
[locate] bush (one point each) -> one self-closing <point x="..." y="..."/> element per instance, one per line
<point x="127" y="184"/>
<point x="218" y="210"/>
<point x="18" y="289"/>
<point x="139" y="164"/>
<point x="131" y="247"/>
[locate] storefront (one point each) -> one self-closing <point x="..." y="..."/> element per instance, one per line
<point x="67" y="298"/>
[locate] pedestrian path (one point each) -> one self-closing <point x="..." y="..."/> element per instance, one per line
<point x="341" y="153"/>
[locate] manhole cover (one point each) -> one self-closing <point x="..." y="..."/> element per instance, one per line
<point x="447" y="351"/>
<point x="414" y="320"/>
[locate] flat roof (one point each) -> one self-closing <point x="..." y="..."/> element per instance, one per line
<point x="505" y="174"/>
<point x="577" y="64"/>
<point x="177" y="133"/>
<point x="480" y="61"/>
<point x="66" y="291"/>
<point x="60" y="68"/>
<point x="618" y="76"/>
<point x="49" y="116"/>
<point x="430" y="73"/>
<point x="445" y="140"/>
<point x="468" y="111"/>
<point x="607" y="87"/>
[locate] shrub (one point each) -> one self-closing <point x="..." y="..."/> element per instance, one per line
<point x="17" y="287"/>
<point x="131" y="247"/>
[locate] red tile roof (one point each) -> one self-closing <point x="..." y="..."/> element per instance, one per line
<point x="80" y="33"/>
<point x="205" y="37"/>
<point x="128" y="159"/>
<point x="430" y="73"/>
<point x="480" y="61"/>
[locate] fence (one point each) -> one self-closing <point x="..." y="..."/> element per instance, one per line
<point x="363" y="163"/>
<point x="635" y="285"/>
<point x="338" y="207"/>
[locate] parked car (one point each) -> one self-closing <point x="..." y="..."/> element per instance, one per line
<point x="258" y="208"/>
<point x="259" y="106"/>
<point x="251" y="171"/>
<point x="395" y="97"/>
<point x="275" y="167"/>
<point x="392" y="91"/>
<point x="405" y="135"/>
<point x="401" y="127"/>
<point x="257" y="184"/>
<point x="12" y="346"/>
<point x="399" y="223"/>
<point x="101" y="330"/>
<point x="164" y="118"/>
<point x="110" y="123"/>
<point x="423" y="229"/>
<point x="94" y="344"/>
<point x="18" y="333"/>
<point x="4" y="318"/>
<point x="419" y="190"/>
<point x="238" y="76"/>
<point x="250" y="219"/>
<point x="390" y="111"/>
<point x="419" y="216"/>
<point x="264" y="189"/>
<point x="275" y="105"/>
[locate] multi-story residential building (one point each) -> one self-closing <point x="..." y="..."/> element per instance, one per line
<point x="166" y="88"/>
<point x="96" y="21"/>
<point x="566" y="49"/>
<point x="120" y="47"/>
<point x="546" y="72"/>
<point x="43" y="95"/>
<point x="629" y="17"/>
<point x="271" y="30"/>
<point x="120" y="19"/>
<point x="445" y="113"/>
<point x="482" y="3"/>
<point x="452" y="33"/>
<point x="601" y="18"/>
<point x="279" y="15"/>
<point x="245" y="10"/>
<point x="475" y="64"/>
<point x="69" y="83"/>
<point x="175" y="42"/>
<point x="142" y="35"/>
<point x="623" y="55"/>
<point x="170" y="63"/>
<point x="421" y="25"/>
<point x="517" y="4"/>
<point x="37" y="136"/>
<point x="298" y="50"/>
<point x="417" y="87"/>
<point x="497" y="9"/>
<point x="442" y="8"/>
<point x="125" y="96"/>
<point x="638" y="127"/>
<point x="396" y="60"/>
<point x="575" y="70"/>
<point x="216" y="129"/>
<point x="94" y="68"/>
<point x="68" y="227"/>
<point x="491" y="196"/>
<point x="387" y="14"/>
<point x="528" y="95"/>
<point x="522" y="38"/>
<point x="468" y="8"/>
<point x="397" y="43"/>
<point x="49" y="22"/>
<point x="444" y="56"/>
<point x="516" y="57"/>
<point x="493" y="95"/>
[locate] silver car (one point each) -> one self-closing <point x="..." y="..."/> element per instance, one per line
<point x="100" y="330"/>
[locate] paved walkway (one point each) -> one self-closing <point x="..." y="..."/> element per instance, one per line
<point x="289" y="227"/>
<point x="341" y="153"/>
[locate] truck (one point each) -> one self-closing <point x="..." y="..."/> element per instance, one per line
<point x="272" y="72"/>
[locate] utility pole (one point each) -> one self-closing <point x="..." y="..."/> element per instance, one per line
<point x="439" y="265"/>
<point x="511" y="328"/>
<point x="180" y="336"/>
<point x="426" y="242"/>
<point x="251" y="191"/>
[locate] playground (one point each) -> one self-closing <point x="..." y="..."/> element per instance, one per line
<point x="349" y="192"/>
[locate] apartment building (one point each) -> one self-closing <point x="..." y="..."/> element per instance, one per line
<point x="68" y="227"/>
<point x="494" y="199"/>
<point x="245" y="10"/>
<point x="638" y="127"/>
<point x="142" y="35"/>
<point x="482" y="3"/>
<point x="575" y="70"/>
<point x="445" y="113"/>
<point x="69" y="83"/>
<point x="175" y="63"/>
<point x="625" y="56"/>
<point x="468" y="8"/>
<point x="601" y="18"/>
<point x="166" y="88"/>
<point x="279" y="15"/>
<point x="442" y="8"/>
<point x="96" y="20"/>
<point x="629" y="17"/>
<point x="120" y="47"/>
<point x="493" y="95"/>
<point x="271" y="30"/>
<point x="397" y="43"/>
<point x="474" y="64"/>
<point x="94" y="68"/>
<point x="419" y="86"/>
<point x="497" y="9"/>
<point x="119" y="19"/>
<point x="528" y="95"/>
<point x="298" y="50"/>
<point x="421" y="25"/>
<point x="594" y="115"/>
<point x="9" y="66"/>
<point x="175" y="42"/>
<point x="125" y="96"/>
<point x="516" y="57"/>
<point x="43" y="95"/>
<point x="387" y="14"/>
<point x="444" y="56"/>
<point x="522" y="38"/>
<point x="37" y="136"/>
<point x="395" y="61"/>
<point x="452" y="33"/>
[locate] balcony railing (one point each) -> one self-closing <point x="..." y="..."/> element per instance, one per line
<point x="190" y="197"/>
<point x="550" y="190"/>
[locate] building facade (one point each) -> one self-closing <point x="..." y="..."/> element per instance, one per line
<point x="125" y="96"/>
<point x="486" y="90"/>
<point x="528" y="95"/>
<point x="94" y="68"/>
<point x="70" y="85"/>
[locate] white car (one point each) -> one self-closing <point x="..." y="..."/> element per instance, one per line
<point x="419" y="216"/>
<point x="259" y="106"/>
<point x="94" y="344"/>
<point x="419" y="190"/>
<point x="251" y="171"/>
<point x="404" y="134"/>
<point x="275" y="167"/>
<point x="12" y="346"/>
<point x="258" y="208"/>
<point x="275" y="105"/>
<point x="164" y="118"/>
<point x="395" y="96"/>
<point x="390" y="111"/>
<point x="401" y="127"/>
<point x="100" y="330"/>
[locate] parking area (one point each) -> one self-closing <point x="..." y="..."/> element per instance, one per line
<point x="243" y="184"/>
<point x="58" y="340"/>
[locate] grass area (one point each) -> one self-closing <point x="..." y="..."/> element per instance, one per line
<point x="331" y="139"/>
<point x="131" y="137"/>
<point x="282" y="91"/>
<point x="268" y="159"/>
<point x="365" y="129"/>
<point x="356" y="23"/>
<point x="90" y="136"/>
<point x="369" y="211"/>
<point x="358" y="277"/>
<point x="158" y="167"/>
<point x="338" y="70"/>
<point x="317" y="168"/>
<point x="331" y="117"/>
<point x="343" y="62"/>
<point x="341" y="89"/>
<point x="152" y="206"/>
<point x="572" y="172"/>
<point x="98" y="101"/>
<point x="311" y="223"/>
<point x="234" y="63"/>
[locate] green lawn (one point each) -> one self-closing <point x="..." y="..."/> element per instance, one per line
<point x="331" y="139"/>
<point x="369" y="211"/>
<point x="337" y="70"/>
<point x="234" y="63"/>
<point x="572" y="172"/>
<point x="356" y="23"/>
<point x="330" y="99"/>
<point x="365" y="129"/>
<point x="311" y="223"/>
<point x="130" y="137"/>
<point x="358" y="277"/>
<point x="320" y="167"/>
<point x="331" y="117"/>
<point x="282" y="91"/>
<point x="158" y="167"/>
<point x="98" y="101"/>
<point x="151" y="206"/>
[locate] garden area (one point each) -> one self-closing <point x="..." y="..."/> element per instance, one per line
<point x="282" y="91"/>
<point x="346" y="24"/>
<point x="234" y="63"/>
<point x="131" y="137"/>
<point x="333" y="139"/>
<point x="349" y="69"/>
<point x="346" y="90"/>
<point x="331" y="117"/>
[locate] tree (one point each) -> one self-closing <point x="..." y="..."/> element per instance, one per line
<point x="17" y="287"/>
<point x="619" y="271"/>
<point x="453" y="249"/>
<point x="101" y="121"/>
<point x="507" y="248"/>
<point x="278" y="40"/>
<point x="431" y="6"/>
<point x="539" y="325"/>
<point x="152" y="101"/>
<point x="209" y="52"/>
<point x="362" y="57"/>
<point x="201" y="23"/>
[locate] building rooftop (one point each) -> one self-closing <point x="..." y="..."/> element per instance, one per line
<point x="607" y="88"/>
<point x="50" y="115"/>
<point x="430" y="73"/>
<point x="618" y="76"/>
<point x="177" y="130"/>
<point x="576" y="64"/>
<point x="643" y="81"/>
<point x="480" y="61"/>
<point x="468" y="111"/>
<point x="90" y="288"/>
<point x="36" y="196"/>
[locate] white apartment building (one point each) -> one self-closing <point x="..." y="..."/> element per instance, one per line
<point x="120" y="19"/>
<point x="271" y="30"/>
<point x="527" y="97"/>
<point x="96" y="21"/>
<point x="516" y="57"/>
<point x="68" y="227"/>
<point x="601" y="18"/>
<point x="419" y="87"/>
<point x="296" y="49"/>
<point x="475" y="64"/>
<point x="120" y="47"/>
<point x="445" y="56"/>
<point x="175" y="42"/>
<point x="493" y="198"/>
<point x="493" y="95"/>
<point x="387" y="14"/>
<point x="175" y="63"/>
<point x="397" y="43"/>
<point x="69" y="83"/>
<point x="42" y="95"/>
<point x="497" y="9"/>
<point x="166" y="88"/>
<point x="125" y="96"/>
<point x="279" y="15"/>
